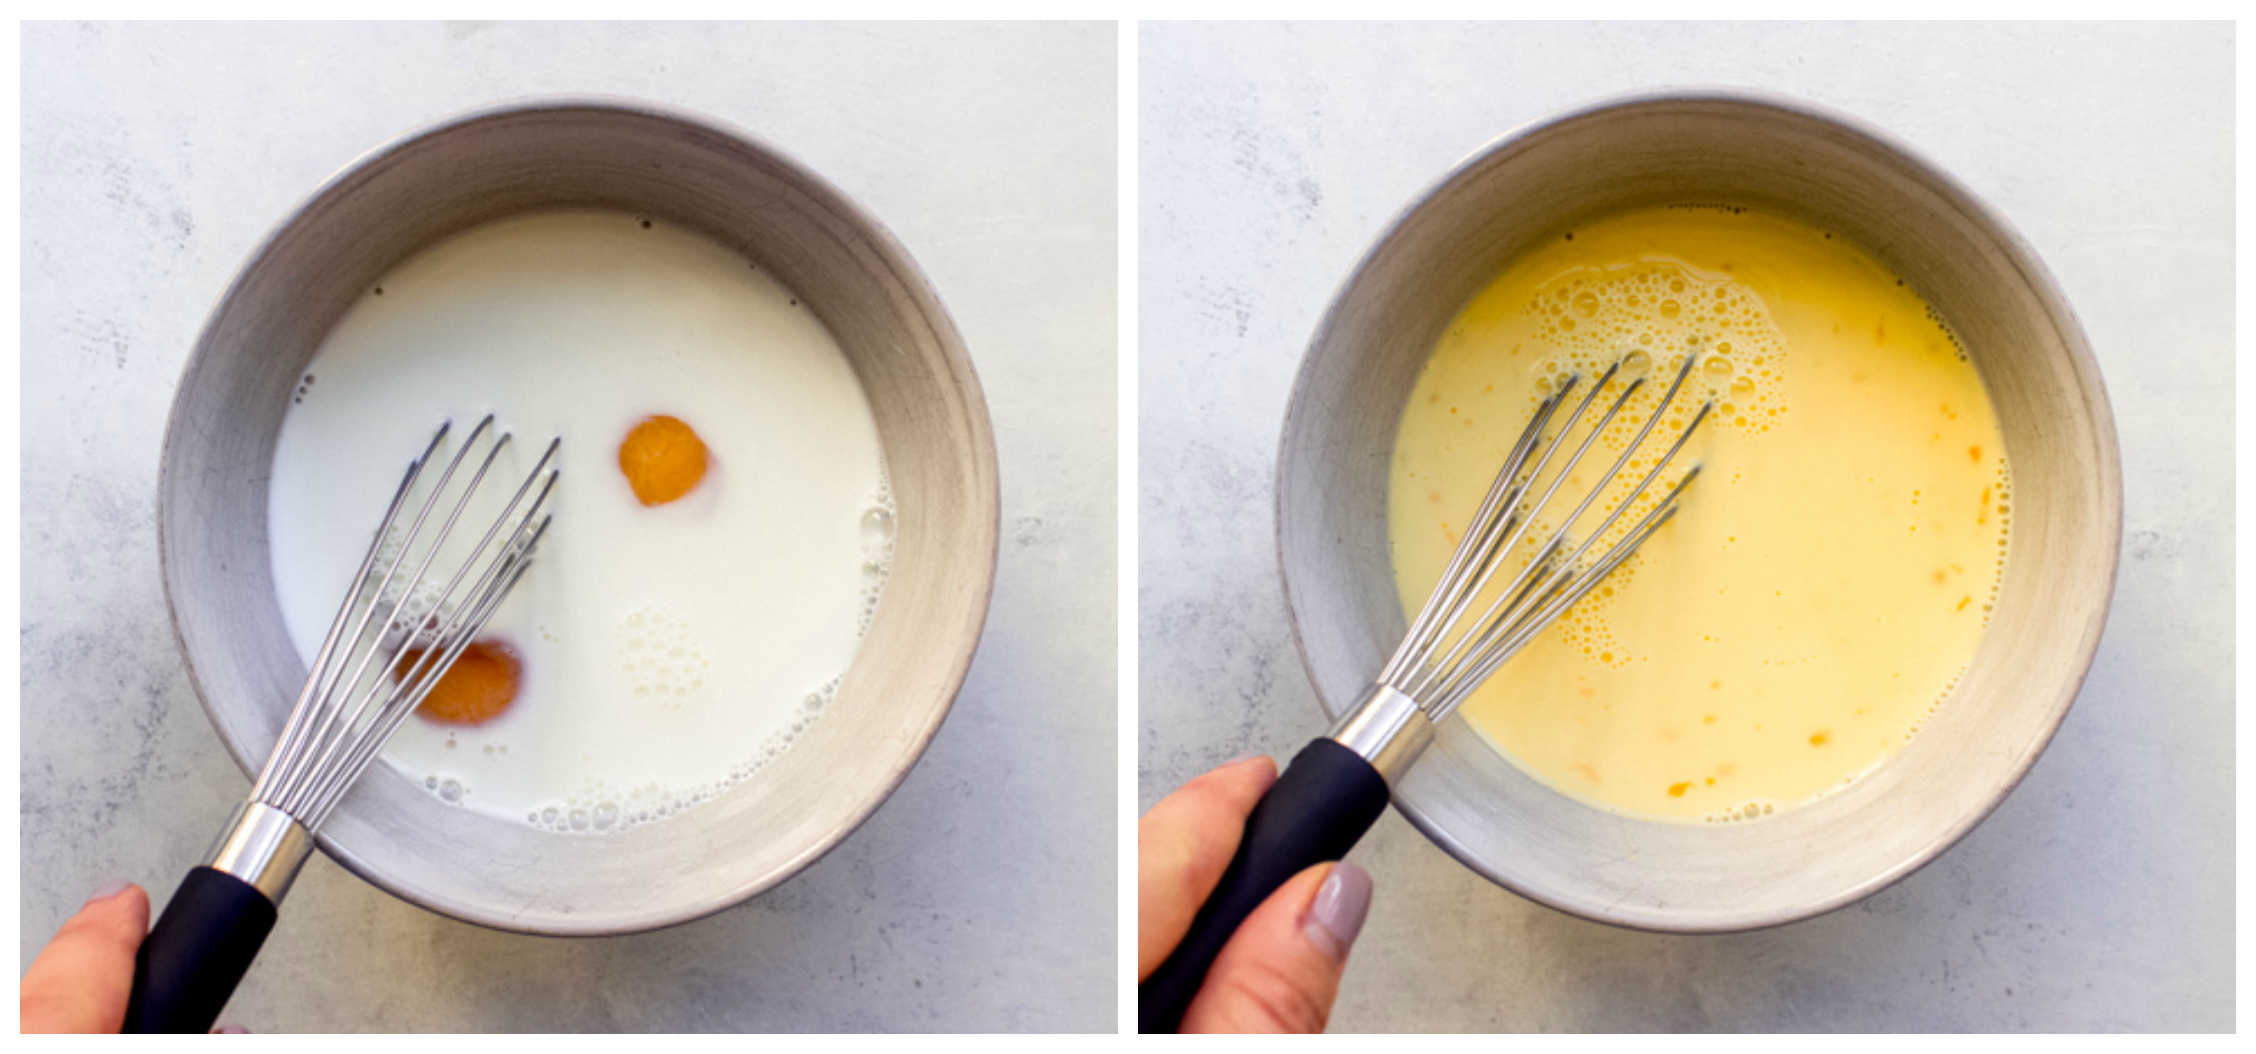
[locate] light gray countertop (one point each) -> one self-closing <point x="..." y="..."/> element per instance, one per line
<point x="2100" y="895"/>
<point x="981" y="896"/>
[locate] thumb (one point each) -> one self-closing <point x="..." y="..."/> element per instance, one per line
<point x="1281" y="970"/>
<point x="82" y="979"/>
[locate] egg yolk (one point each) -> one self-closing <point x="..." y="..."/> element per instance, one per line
<point x="663" y="459"/>
<point x="477" y="688"/>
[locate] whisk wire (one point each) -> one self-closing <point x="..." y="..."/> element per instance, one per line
<point x="448" y="641"/>
<point x="1440" y="669"/>
<point x="1336" y="787"/>
<point x="511" y="565"/>
<point x="1520" y="602"/>
<point x="1433" y="669"/>
<point x="220" y="914"/>
<point x="422" y="622"/>
<point x="301" y="712"/>
<point x="329" y="723"/>
<point x="340" y="721"/>
<point x="1502" y="494"/>
<point x="1561" y="592"/>
<point x="1475" y="557"/>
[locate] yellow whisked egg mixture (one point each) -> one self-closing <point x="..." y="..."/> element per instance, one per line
<point x="1829" y="573"/>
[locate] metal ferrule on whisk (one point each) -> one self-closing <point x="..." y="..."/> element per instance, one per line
<point x="1385" y="728"/>
<point x="341" y="721"/>
<point x="406" y="637"/>
<point x="263" y="846"/>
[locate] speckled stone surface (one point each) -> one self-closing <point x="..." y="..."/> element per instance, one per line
<point x="154" y="158"/>
<point x="2100" y="895"/>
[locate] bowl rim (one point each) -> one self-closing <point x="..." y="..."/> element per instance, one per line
<point x="2033" y="271"/>
<point x="986" y="515"/>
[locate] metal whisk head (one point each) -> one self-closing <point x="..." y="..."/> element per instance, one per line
<point x="392" y="627"/>
<point x="408" y="637"/>
<point x="1445" y="656"/>
<point x="1337" y="786"/>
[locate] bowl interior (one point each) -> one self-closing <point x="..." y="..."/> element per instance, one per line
<point x="645" y="160"/>
<point x="1792" y="159"/>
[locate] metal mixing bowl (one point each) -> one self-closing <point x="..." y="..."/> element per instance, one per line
<point x="646" y="160"/>
<point x="1787" y="157"/>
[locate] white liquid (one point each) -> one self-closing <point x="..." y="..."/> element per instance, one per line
<point x="667" y="650"/>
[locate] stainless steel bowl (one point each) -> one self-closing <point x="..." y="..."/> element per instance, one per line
<point x="1783" y="156"/>
<point x="647" y="160"/>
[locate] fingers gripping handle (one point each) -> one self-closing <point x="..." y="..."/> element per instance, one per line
<point x="1313" y="814"/>
<point x="199" y="949"/>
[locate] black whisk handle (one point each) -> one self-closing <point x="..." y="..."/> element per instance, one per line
<point x="199" y="949"/>
<point x="1313" y="814"/>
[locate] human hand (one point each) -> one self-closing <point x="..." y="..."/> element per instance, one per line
<point x="1281" y="970"/>
<point x="81" y="979"/>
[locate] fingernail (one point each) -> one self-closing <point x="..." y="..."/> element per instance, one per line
<point x="231" y="1030"/>
<point x="111" y="890"/>
<point x="1337" y="916"/>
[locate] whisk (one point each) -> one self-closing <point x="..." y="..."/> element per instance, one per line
<point x="212" y="928"/>
<point x="1337" y="786"/>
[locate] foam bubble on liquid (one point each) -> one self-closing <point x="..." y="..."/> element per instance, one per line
<point x="2004" y="507"/>
<point x="878" y="529"/>
<point x="404" y="617"/>
<point x="446" y="788"/>
<point x="1934" y="705"/>
<point x="665" y="663"/>
<point x="662" y="658"/>
<point x="1752" y="809"/>
<point x="603" y="807"/>
<point x="1650" y="316"/>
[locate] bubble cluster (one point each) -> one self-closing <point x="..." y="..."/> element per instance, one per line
<point x="1958" y="348"/>
<point x="661" y="657"/>
<point x="1754" y="809"/>
<point x="446" y="789"/>
<point x="602" y="807"/>
<point x="666" y="665"/>
<point x="1649" y="317"/>
<point x="1590" y="634"/>
<point x="400" y="609"/>
<point x="1934" y="704"/>
<point x="2003" y="507"/>
<point x="877" y="532"/>
<point x="1652" y="314"/>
